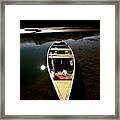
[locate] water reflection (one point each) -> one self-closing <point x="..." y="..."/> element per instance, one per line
<point x="35" y="84"/>
<point x="42" y="67"/>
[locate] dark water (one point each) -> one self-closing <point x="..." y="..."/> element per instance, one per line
<point x="35" y="83"/>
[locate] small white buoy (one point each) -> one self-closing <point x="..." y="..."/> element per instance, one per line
<point x="42" y="67"/>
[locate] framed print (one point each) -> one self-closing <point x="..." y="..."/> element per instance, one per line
<point x="60" y="59"/>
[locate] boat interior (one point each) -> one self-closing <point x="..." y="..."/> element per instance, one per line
<point x="60" y="61"/>
<point x="61" y="68"/>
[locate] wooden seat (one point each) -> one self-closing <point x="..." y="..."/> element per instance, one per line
<point x="60" y="49"/>
<point x="60" y="56"/>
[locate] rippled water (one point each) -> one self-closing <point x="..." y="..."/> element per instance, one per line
<point x="35" y="83"/>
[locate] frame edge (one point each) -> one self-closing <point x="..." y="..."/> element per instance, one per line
<point x="2" y="75"/>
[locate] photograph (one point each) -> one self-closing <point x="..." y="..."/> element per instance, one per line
<point x="59" y="59"/>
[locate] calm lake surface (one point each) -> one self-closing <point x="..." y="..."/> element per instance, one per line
<point x="35" y="83"/>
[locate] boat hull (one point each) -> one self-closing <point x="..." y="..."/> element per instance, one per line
<point x="61" y="68"/>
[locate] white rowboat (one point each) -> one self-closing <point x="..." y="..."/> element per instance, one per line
<point x="61" y="68"/>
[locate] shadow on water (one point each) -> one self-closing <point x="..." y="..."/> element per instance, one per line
<point x="54" y="94"/>
<point x="78" y="88"/>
